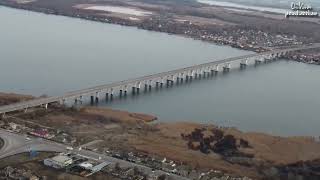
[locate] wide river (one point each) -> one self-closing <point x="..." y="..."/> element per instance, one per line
<point x="46" y="54"/>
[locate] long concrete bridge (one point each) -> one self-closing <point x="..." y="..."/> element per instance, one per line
<point x="158" y="80"/>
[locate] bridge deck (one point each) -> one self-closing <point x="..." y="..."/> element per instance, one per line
<point x="88" y="91"/>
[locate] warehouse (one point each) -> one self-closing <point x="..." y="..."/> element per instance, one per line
<point x="58" y="162"/>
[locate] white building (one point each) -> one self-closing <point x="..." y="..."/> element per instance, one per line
<point x="58" y="162"/>
<point x="86" y="165"/>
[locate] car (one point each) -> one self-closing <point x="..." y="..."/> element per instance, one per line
<point x="69" y="148"/>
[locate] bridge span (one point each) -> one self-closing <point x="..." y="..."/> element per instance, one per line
<point x="158" y="80"/>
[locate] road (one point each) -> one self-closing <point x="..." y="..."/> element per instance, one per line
<point x="17" y="143"/>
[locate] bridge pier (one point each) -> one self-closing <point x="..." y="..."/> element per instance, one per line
<point x="243" y="64"/>
<point x="133" y="90"/>
<point x="170" y="82"/>
<point x="209" y="73"/>
<point x="226" y="68"/>
<point x="273" y="57"/>
<point x="258" y="61"/>
<point x="216" y="69"/>
<point x="177" y="80"/>
<point x="75" y="101"/>
<point x="81" y="99"/>
<point x="191" y="77"/>
<point x="107" y="96"/>
<point x="97" y="97"/>
<point x="92" y="100"/>
<point x="267" y="60"/>
<point x="187" y="77"/>
<point x="180" y="78"/>
<point x="111" y="94"/>
<point x="145" y="87"/>
<point x="138" y="86"/>
<point x="125" y="90"/>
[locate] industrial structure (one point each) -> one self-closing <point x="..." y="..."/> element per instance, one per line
<point x="58" y="162"/>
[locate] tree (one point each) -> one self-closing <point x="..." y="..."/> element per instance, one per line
<point x="225" y="145"/>
<point x="162" y="177"/>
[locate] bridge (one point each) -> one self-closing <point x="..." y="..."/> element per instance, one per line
<point x="157" y="80"/>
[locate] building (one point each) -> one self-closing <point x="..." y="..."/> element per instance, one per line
<point x="13" y="126"/>
<point x="86" y="165"/>
<point x="43" y="133"/>
<point x="58" y="162"/>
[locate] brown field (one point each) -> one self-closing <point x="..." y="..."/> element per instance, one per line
<point x="9" y="98"/>
<point x="127" y="131"/>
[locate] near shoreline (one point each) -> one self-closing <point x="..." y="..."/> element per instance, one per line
<point x="195" y="146"/>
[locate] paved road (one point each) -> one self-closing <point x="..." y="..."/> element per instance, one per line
<point x="16" y="144"/>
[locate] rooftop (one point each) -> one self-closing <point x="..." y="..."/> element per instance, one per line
<point x="61" y="158"/>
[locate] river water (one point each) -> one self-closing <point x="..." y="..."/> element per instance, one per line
<point x="45" y="54"/>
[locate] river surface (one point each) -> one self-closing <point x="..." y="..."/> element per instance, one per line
<point x="46" y="54"/>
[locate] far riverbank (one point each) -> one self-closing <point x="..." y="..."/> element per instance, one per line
<point x="245" y="38"/>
